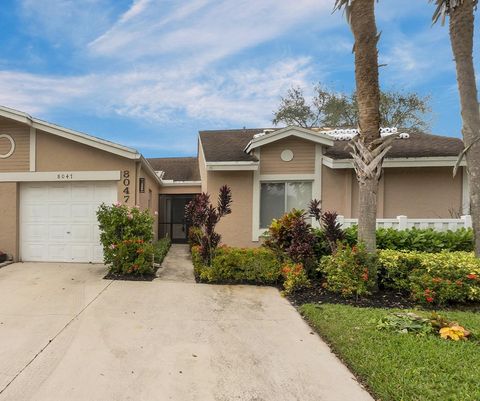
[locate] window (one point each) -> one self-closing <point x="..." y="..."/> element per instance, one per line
<point x="277" y="198"/>
<point x="150" y="196"/>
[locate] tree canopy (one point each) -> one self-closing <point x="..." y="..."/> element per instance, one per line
<point x="331" y="109"/>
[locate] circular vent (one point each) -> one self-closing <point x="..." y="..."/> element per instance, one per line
<point x="7" y="146"/>
<point x="286" y="155"/>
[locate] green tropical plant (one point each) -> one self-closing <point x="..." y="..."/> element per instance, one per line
<point x="126" y="235"/>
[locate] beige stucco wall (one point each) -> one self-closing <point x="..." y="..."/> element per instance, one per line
<point x="303" y="157"/>
<point x="20" y="159"/>
<point x="55" y="153"/>
<point x="422" y="192"/>
<point x="9" y="218"/>
<point x="417" y="192"/>
<point x="236" y="228"/>
<point x="202" y="167"/>
<point x="151" y="191"/>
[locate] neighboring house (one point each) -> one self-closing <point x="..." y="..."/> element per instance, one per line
<point x="52" y="180"/>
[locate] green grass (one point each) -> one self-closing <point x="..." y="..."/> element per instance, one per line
<point x="401" y="367"/>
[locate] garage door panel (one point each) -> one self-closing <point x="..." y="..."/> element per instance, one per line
<point x="35" y="232"/>
<point x="34" y="252"/>
<point x="82" y="253"/>
<point x="82" y="212"/>
<point x="103" y="194"/>
<point x="34" y="192"/>
<point x="57" y="252"/>
<point x="82" y="191"/>
<point x="58" y="232"/>
<point x="35" y="213"/>
<point x="59" y="223"/>
<point x="81" y="233"/>
<point x="59" y="192"/>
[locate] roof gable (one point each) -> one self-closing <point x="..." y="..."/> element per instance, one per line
<point x="299" y="132"/>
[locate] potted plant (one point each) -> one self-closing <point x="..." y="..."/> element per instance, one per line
<point x="3" y="257"/>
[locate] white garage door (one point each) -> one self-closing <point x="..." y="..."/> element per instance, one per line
<point x="58" y="221"/>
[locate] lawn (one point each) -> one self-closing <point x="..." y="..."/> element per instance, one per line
<point x="401" y="367"/>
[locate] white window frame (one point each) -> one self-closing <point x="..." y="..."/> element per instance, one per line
<point x="285" y="199"/>
<point x="315" y="178"/>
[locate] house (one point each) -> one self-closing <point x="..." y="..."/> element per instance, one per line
<point x="52" y="180"/>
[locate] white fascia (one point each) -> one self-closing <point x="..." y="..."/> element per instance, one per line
<point x="448" y="161"/>
<point x="232" y="166"/>
<point x="298" y="132"/>
<point x="172" y="183"/>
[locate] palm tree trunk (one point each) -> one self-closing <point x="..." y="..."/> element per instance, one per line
<point x="461" y="37"/>
<point x="368" y="97"/>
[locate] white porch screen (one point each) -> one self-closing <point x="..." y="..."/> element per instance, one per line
<point x="277" y="198"/>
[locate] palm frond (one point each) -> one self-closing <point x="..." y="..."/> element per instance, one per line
<point x="445" y="7"/>
<point x="346" y="5"/>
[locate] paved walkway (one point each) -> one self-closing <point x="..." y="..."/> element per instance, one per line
<point x="177" y="265"/>
<point x="67" y="334"/>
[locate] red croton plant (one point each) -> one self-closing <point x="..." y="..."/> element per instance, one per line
<point x="204" y="217"/>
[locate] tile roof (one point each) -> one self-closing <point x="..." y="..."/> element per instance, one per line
<point x="177" y="168"/>
<point x="228" y="145"/>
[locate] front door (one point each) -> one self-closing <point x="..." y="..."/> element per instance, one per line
<point x="172" y="217"/>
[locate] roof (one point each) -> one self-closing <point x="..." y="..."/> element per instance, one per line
<point x="177" y="168"/>
<point x="229" y="145"/>
<point x="418" y="145"/>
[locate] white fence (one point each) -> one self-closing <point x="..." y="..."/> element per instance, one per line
<point x="403" y="222"/>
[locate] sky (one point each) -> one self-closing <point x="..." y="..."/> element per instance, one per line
<point x="150" y="74"/>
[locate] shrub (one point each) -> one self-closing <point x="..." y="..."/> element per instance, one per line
<point x="432" y="278"/>
<point x="126" y="235"/>
<point x="422" y="240"/>
<point x="194" y="236"/>
<point x="204" y="217"/>
<point x="238" y="265"/>
<point x="395" y="268"/>
<point x="160" y="249"/>
<point x="291" y="238"/>
<point x="350" y="271"/>
<point x="295" y="278"/>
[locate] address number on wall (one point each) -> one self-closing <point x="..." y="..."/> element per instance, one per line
<point x="126" y="185"/>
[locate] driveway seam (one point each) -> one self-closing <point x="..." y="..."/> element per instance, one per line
<point x="55" y="336"/>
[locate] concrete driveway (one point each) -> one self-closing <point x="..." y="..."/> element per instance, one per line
<point x="67" y="334"/>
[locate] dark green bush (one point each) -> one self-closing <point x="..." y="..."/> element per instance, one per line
<point x="421" y="240"/>
<point x="160" y="249"/>
<point x="238" y="265"/>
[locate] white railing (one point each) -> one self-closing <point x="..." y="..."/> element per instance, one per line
<point x="403" y="222"/>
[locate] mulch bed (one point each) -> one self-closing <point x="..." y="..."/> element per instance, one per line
<point x="316" y="294"/>
<point x="383" y="299"/>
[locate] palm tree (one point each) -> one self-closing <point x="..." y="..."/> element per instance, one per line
<point x="368" y="147"/>
<point x="461" y="26"/>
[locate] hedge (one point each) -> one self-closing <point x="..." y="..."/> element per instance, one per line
<point x="415" y="239"/>
<point x="238" y="265"/>
<point x="438" y="278"/>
